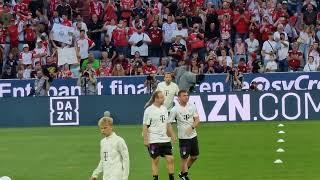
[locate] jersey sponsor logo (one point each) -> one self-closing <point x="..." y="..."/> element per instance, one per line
<point x="166" y="92"/>
<point x="186" y="117"/>
<point x="64" y="111"/>
<point x="162" y="118"/>
<point x="105" y="156"/>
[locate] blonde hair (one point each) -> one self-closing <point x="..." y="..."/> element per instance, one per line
<point x="105" y="121"/>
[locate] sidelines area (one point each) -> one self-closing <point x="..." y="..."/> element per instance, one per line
<point x="128" y="109"/>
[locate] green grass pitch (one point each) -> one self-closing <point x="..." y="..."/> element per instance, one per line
<point x="229" y="151"/>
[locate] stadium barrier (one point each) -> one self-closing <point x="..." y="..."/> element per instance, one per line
<point x="128" y="109"/>
<point x="134" y="85"/>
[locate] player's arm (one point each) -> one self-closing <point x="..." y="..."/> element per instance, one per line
<point x="196" y="122"/>
<point x="146" y="125"/>
<point x="172" y="119"/>
<point x="171" y="133"/>
<point x="145" y="135"/>
<point x="123" y="149"/>
<point x="97" y="171"/>
<point x="196" y="118"/>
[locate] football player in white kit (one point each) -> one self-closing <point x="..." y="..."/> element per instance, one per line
<point x="187" y="122"/>
<point x="169" y="89"/>
<point x="156" y="129"/>
<point x="114" y="155"/>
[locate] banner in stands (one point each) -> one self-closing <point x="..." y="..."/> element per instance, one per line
<point x="134" y="85"/>
<point x="218" y="107"/>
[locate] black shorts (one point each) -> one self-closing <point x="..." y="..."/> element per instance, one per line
<point x="160" y="149"/>
<point x="189" y="147"/>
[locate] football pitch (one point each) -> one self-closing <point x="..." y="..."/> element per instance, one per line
<point x="228" y="151"/>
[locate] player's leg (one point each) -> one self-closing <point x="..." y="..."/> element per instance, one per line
<point x="155" y="167"/>
<point x="170" y="166"/>
<point x="184" y="169"/>
<point x="155" y="157"/>
<point x="166" y="151"/>
<point x="191" y="160"/>
<point x="194" y="153"/>
<point x="185" y="150"/>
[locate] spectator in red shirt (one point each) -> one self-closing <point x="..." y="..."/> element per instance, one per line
<point x="30" y="36"/>
<point x="149" y="68"/>
<point x="96" y="7"/>
<point x="155" y="34"/>
<point x="254" y="28"/>
<point x="13" y="34"/>
<point x="3" y="34"/>
<point x="242" y="66"/>
<point x="124" y="63"/>
<point x="118" y="70"/>
<point x="196" y="41"/>
<point x="120" y="39"/>
<point x="65" y="72"/>
<point x="295" y="58"/>
<point x="265" y="29"/>
<point x="110" y="11"/>
<point x="241" y="22"/>
<point x="127" y="3"/>
<point x="126" y="13"/>
<point x="104" y="70"/>
<point x="66" y="21"/>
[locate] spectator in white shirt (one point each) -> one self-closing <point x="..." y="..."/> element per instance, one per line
<point x="224" y="57"/>
<point x="283" y="49"/>
<point x="310" y="65"/>
<point x="82" y="24"/>
<point x="139" y="42"/>
<point x="27" y="72"/>
<point x="110" y="27"/>
<point x="180" y="31"/>
<point x="276" y="35"/>
<point x="84" y="45"/>
<point x="314" y="52"/>
<point x="272" y="65"/>
<point x="269" y="49"/>
<point x="40" y="54"/>
<point x="25" y="56"/>
<point x="168" y="28"/>
<point x="252" y="44"/>
<point x="305" y="40"/>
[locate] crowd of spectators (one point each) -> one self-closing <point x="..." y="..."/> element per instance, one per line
<point x="135" y="37"/>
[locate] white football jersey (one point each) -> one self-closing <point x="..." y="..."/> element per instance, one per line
<point x="114" y="159"/>
<point x="185" y="118"/>
<point x="157" y="119"/>
<point x="169" y="91"/>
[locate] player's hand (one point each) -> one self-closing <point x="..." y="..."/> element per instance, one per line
<point x="189" y="131"/>
<point x="92" y="178"/>
<point x="174" y="138"/>
<point x="146" y="143"/>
